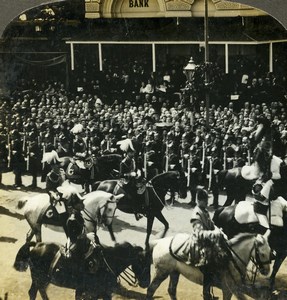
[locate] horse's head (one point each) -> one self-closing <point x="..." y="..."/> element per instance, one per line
<point x="172" y="180"/>
<point x="107" y="210"/>
<point x="179" y="183"/>
<point x="262" y="253"/>
<point x="141" y="266"/>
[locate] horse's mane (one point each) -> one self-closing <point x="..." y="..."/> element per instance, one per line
<point x="110" y="157"/>
<point x="123" y="250"/>
<point x="239" y="238"/>
<point x="156" y="177"/>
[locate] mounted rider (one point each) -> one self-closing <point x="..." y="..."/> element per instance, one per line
<point x="80" y="145"/>
<point x="210" y="243"/>
<point x="78" y="241"/>
<point x="131" y="180"/>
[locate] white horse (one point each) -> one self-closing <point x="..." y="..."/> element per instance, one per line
<point x="244" y="247"/>
<point x="99" y="210"/>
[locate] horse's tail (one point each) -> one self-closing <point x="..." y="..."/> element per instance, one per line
<point x="21" y="203"/>
<point x="22" y="258"/>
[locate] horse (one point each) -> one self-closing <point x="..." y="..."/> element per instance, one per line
<point x="244" y="247"/>
<point x="96" y="278"/>
<point x="153" y="200"/>
<point x="99" y="210"/>
<point x="224" y="217"/>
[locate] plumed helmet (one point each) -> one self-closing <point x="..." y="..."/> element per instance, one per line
<point x="78" y="128"/>
<point x="126" y="145"/>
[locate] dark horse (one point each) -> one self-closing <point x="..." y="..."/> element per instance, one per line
<point x="268" y="149"/>
<point x="224" y="217"/>
<point x="153" y="200"/>
<point x="96" y="169"/>
<point x="97" y="277"/>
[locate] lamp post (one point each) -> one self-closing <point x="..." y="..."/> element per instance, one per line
<point x="189" y="71"/>
<point x="206" y="59"/>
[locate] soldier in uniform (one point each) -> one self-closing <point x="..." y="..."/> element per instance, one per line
<point x="3" y="154"/>
<point x="80" y="147"/>
<point x="203" y="225"/>
<point x="128" y="173"/>
<point x="215" y="165"/>
<point x="33" y="154"/>
<point x="195" y="172"/>
<point x="17" y="160"/>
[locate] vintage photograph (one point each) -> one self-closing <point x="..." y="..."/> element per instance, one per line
<point x="143" y="149"/>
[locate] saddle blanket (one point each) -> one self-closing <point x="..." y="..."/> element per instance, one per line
<point x="245" y="214"/>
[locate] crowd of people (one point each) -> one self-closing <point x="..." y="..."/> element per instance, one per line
<point x="152" y="108"/>
<point x="167" y="127"/>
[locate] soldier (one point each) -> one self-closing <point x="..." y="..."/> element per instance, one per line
<point x="33" y="156"/>
<point x="80" y="147"/>
<point x="17" y="160"/>
<point x="215" y="165"/>
<point x="195" y="171"/>
<point x="3" y="154"/>
<point x="204" y="228"/>
<point x="128" y="173"/>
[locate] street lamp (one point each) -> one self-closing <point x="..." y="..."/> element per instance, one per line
<point x="189" y="70"/>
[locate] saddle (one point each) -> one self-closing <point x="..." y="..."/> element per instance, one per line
<point x="56" y="214"/>
<point x="246" y="214"/>
<point x="197" y="249"/>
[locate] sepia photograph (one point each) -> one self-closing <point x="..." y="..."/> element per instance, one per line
<point x="143" y="149"/>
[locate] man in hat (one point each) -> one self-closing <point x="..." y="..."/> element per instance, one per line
<point x="204" y="228"/>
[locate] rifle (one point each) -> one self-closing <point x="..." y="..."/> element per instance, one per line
<point x="224" y="158"/>
<point x="9" y="150"/>
<point x="44" y="151"/>
<point x="145" y="163"/>
<point x="210" y="172"/>
<point x="28" y="156"/>
<point x="166" y="157"/>
<point x="188" y="170"/>
<point x="203" y="155"/>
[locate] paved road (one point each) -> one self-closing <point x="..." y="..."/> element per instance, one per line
<point x="14" y="229"/>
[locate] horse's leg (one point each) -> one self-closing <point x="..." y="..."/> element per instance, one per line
<point x="150" y="219"/>
<point x="43" y="293"/>
<point x="157" y="280"/>
<point x="29" y="235"/>
<point x="38" y="233"/>
<point x="173" y="281"/>
<point x="33" y="291"/>
<point x="110" y="228"/>
<point x="278" y="262"/>
<point x="162" y="219"/>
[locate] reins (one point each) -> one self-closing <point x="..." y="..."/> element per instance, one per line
<point x="257" y="263"/>
<point x="128" y="274"/>
<point x="90" y="218"/>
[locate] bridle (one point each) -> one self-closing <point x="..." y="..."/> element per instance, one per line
<point x="258" y="263"/>
<point x="100" y="219"/>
